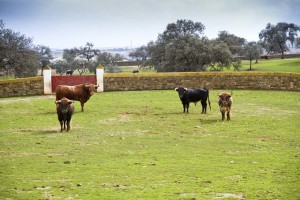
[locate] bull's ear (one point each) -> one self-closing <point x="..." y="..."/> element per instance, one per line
<point x="229" y="96"/>
<point x="176" y="89"/>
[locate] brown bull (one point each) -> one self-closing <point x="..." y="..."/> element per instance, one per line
<point x="225" y="102"/>
<point x="81" y="92"/>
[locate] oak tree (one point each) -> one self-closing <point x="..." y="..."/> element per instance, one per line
<point x="275" y="37"/>
<point x="17" y="54"/>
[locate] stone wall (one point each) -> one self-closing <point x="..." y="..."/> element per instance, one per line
<point x="21" y="87"/>
<point x="210" y="80"/>
<point x="168" y="81"/>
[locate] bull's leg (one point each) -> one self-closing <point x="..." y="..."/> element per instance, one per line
<point x="223" y="116"/>
<point x="187" y="108"/>
<point x="183" y="108"/>
<point x="61" y="126"/>
<point x="82" y="104"/>
<point x="64" y="125"/>
<point x="68" y="125"/>
<point x="228" y="115"/>
<point x="204" y="106"/>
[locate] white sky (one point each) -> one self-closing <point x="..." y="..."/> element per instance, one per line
<point x="126" y="23"/>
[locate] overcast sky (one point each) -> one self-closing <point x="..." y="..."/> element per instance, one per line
<point x="126" y="23"/>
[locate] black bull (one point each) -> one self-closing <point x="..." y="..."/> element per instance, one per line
<point x="65" y="109"/>
<point x="188" y="95"/>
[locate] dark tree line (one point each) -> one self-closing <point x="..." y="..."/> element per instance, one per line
<point x="86" y="59"/>
<point x="19" y="57"/>
<point x="182" y="47"/>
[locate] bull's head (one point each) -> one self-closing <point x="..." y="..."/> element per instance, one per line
<point x="91" y="88"/>
<point x="181" y="91"/>
<point x="224" y="99"/>
<point x="64" y="104"/>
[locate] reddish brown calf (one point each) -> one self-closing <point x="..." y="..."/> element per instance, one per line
<point x="225" y="102"/>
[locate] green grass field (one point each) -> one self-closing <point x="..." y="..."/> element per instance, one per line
<point x="274" y="65"/>
<point x="140" y="145"/>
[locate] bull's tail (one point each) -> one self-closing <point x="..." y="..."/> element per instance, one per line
<point x="208" y="98"/>
<point x="208" y="102"/>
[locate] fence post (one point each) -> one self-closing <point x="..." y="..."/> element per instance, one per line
<point x="99" y="76"/>
<point x="47" y="80"/>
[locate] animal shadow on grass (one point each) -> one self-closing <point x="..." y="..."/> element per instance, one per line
<point x="209" y="121"/>
<point x="47" y="132"/>
<point x="169" y="113"/>
<point x="203" y="119"/>
<point x="53" y="112"/>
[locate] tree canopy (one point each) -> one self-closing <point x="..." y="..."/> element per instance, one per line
<point x="77" y="59"/>
<point x="180" y="29"/>
<point x="45" y="56"/>
<point x="252" y="51"/>
<point x="87" y="58"/>
<point x="275" y="37"/>
<point x="181" y="47"/>
<point x="234" y="42"/>
<point x="140" y="54"/>
<point x="17" y="54"/>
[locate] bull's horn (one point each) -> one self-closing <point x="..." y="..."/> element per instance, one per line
<point x="185" y="89"/>
<point x="59" y="101"/>
<point x="176" y="89"/>
<point x="70" y="101"/>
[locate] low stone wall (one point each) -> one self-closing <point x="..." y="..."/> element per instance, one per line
<point x="22" y="86"/>
<point x="210" y="80"/>
<point x="167" y="81"/>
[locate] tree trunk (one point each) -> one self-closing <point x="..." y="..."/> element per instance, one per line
<point x="256" y="59"/>
<point x="282" y="55"/>
<point x="282" y="51"/>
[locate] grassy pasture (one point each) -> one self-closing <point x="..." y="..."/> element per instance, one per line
<point x="274" y="65"/>
<point x="139" y="145"/>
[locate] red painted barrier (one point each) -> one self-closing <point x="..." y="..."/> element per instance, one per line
<point x="71" y="80"/>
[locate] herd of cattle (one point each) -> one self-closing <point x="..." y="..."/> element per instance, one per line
<point x="65" y="96"/>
